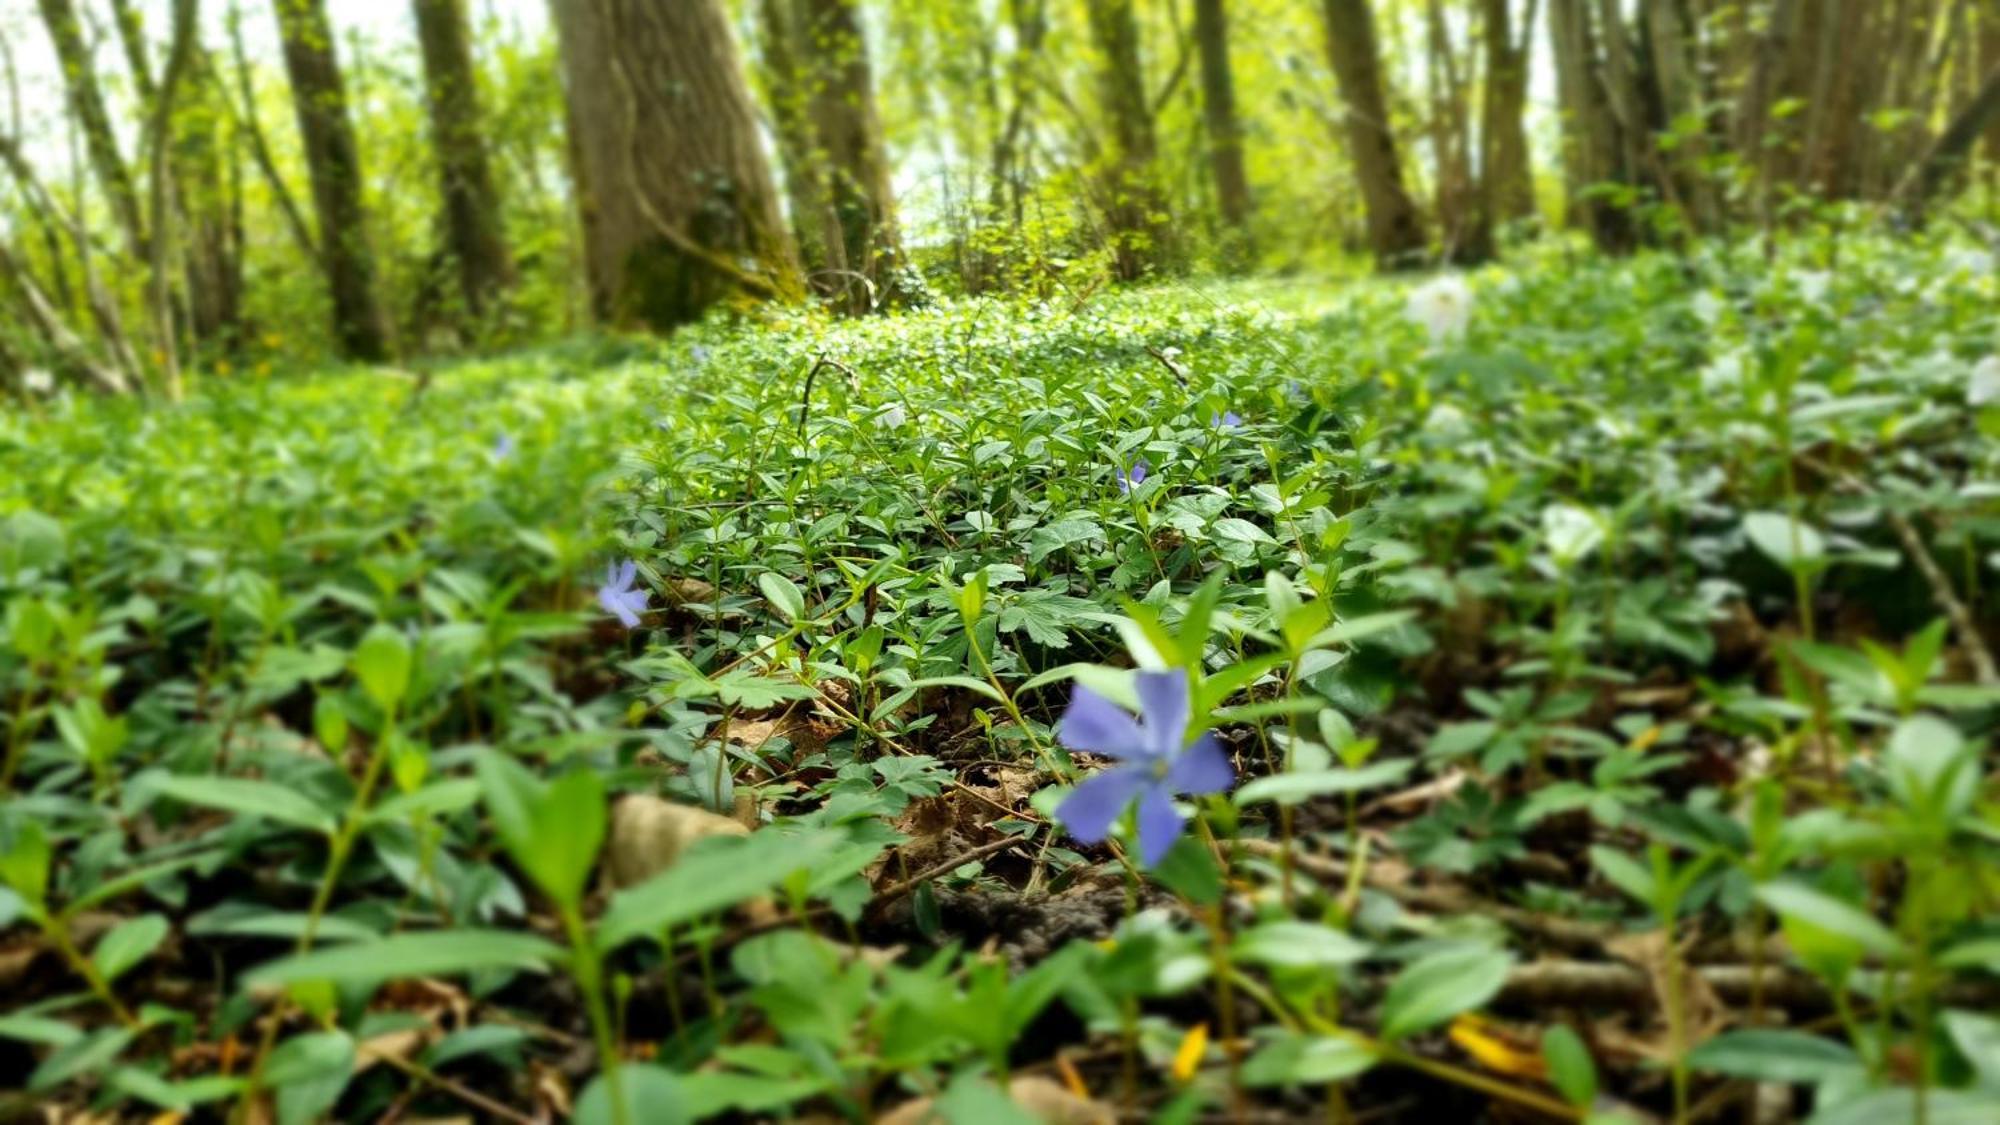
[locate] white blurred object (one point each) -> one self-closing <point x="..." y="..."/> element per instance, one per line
<point x="36" y="380"/>
<point x="1571" y="533"/>
<point x="891" y="416"/>
<point x="1443" y="305"/>
<point x="1984" y="385"/>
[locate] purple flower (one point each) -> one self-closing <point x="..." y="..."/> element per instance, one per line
<point x="1154" y="763"/>
<point x="618" y="597"/>
<point x="1227" y="420"/>
<point x="503" y="446"/>
<point x="1134" y="476"/>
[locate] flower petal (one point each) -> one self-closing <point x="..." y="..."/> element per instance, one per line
<point x="1202" y="768"/>
<point x="626" y="574"/>
<point x="1163" y="705"/>
<point x="1092" y="807"/>
<point x="1160" y="824"/>
<point x="1096" y="725"/>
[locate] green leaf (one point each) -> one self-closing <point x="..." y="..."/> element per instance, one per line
<point x="1771" y="533"/>
<point x="127" y="944"/>
<point x="87" y="1055"/>
<point x="1292" y="1059"/>
<point x="1298" y="945"/>
<point x="1571" y="1070"/>
<point x="1189" y="870"/>
<point x="652" y="1096"/>
<point x="980" y="687"/>
<point x="24" y="866"/>
<point x="1625" y="873"/>
<point x="1292" y="788"/>
<point x="1774" y="1055"/>
<point x="1441" y="986"/>
<point x="382" y="664"/>
<point x="1977" y="1037"/>
<point x="308" y="1073"/>
<point x="783" y="594"/>
<point x="1795" y="902"/>
<point x="716" y="873"/>
<point x="247" y="797"/>
<point x="553" y="831"/>
<point x="420" y="954"/>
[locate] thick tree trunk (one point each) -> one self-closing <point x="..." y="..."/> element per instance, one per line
<point x="860" y="214"/>
<point x="675" y="191"/>
<point x="1593" y="152"/>
<point x="87" y="101"/>
<point x="1225" y="130"/>
<point x="784" y="91"/>
<point x="1506" y="184"/>
<point x="1671" y="32"/>
<point x="319" y="98"/>
<point x="474" y="233"/>
<point x="1134" y="212"/>
<point x="1395" y="233"/>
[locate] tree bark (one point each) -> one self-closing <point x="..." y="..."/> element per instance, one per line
<point x="864" y="250"/>
<point x="87" y="102"/>
<point x="474" y="233"/>
<point x="1593" y="152"/>
<point x="1225" y="130"/>
<point x="1134" y="212"/>
<point x="159" y="142"/>
<point x="1506" y="183"/>
<point x="319" y="98"/>
<point x="1395" y="233"/>
<point x="674" y="188"/>
<point x="1949" y="151"/>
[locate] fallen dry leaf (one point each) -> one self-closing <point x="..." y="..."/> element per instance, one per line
<point x="1046" y="1100"/>
<point x="648" y="836"/>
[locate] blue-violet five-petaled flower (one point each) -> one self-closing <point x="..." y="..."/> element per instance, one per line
<point x="1133" y="477"/>
<point x="1155" y="761"/>
<point x="1227" y="420"/>
<point x="619" y="598"/>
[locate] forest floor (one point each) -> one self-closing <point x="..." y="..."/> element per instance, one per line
<point x="1562" y="695"/>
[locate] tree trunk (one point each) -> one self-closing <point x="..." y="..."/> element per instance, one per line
<point x="319" y="98"/>
<point x="474" y="233"/>
<point x="1754" y="111"/>
<point x="1395" y="233"/>
<point x="785" y="92"/>
<point x="87" y="101"/>
<point x="1465" y="231"/>
<point x="1670" y="29"/>
<point x="163" y="198"/>
<point x="860" y="214"/>
<point x="674" y="188"/>
<point x="1989" y="61"/>
<point x="1951" y="148"/>
<point x="1592" y="150"/>
<point x="1134" y="211"/>
<point x="1506" y="184"/>
<point x="1225" y="131"/>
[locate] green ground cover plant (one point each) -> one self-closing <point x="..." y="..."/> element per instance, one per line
<point x="1561" y="691"/>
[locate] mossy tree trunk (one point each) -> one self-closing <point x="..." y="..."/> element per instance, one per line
<point x="319" y="99"/>
<point x="680" y="210"/>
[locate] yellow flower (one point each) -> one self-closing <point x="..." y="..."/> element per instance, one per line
<point x="1187" y="1058"/>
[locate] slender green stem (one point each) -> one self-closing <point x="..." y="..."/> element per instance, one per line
<point x="589" y="973"/>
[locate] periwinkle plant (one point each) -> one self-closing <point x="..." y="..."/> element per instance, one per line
<point x="1155" y="762"/>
